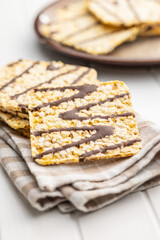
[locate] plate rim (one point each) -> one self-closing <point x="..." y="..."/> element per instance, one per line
<point x="109" y="60"/>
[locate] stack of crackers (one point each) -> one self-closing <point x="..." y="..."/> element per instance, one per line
<point x="99" y="26"/>
<point x="19" y="78"/>
<point x="67" y="113"/>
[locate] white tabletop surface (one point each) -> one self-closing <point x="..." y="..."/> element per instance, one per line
<point x="135" y="217"/>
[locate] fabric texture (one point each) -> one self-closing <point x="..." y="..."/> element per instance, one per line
<point x="84" y="186"/>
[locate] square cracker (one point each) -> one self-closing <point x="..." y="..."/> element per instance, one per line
<point x="80" y="123"/>
<point x="18" y="78"/>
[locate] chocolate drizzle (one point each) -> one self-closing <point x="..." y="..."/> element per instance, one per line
<point x="83" y="91"/>
<point x="96" y="37"/>
<point x="68" y="19"/>
<point x="81" y="76"/>
<point x="14" y="63"/>
<point x="81" y="31"/>
<point x="53" y="33"/>
<point x="23" y="107"/>
<point x="103" y="6"/>
<point x="46" y="82"/>
<point x="51" y="67"/>
<point x="72" y="114"/>
<point x="15" y="78"/>
<point x="84" y="128"/>
<point x="101" y="132"/>
<point x="107" y="148"/>
<point x="135" y="13"/>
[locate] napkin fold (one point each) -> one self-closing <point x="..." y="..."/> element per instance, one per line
<point x="84" y="186"/>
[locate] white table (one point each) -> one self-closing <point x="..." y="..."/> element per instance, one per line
<point x="136" y="216"/>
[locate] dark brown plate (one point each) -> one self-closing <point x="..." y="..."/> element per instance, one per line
<point x="142" y="52"/>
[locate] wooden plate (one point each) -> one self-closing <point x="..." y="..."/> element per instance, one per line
<point x="142" y="52"/>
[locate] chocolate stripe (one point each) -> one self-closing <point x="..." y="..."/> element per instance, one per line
<point x="84" y="128"/>
<point x="112" y="147"/>
<point x="101" y="132"/>
<point x="51" y="67"/>
<point x="38" y="85"/>
<point x="39" y="133"/>
<point x="85" y="140"/>
<point x="72" y="114"/>
<point x="96" y="37"/>
<point x="57" y="88"/>
<point x="14" y="79"/>
<point x="23" y="107"/>
<point x="78" y="32"/>
<point x="69" y="19"/>
<point x="133" y="10"/>
<point x="83" y="91"/>
<point x="103" y="6"/>
<point x="81" y="76"/>
<point x="14" y="63"/>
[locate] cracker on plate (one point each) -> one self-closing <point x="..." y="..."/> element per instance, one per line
<point x="76" y="27"/>
<point x="80" y="123"/>
<point x="125" y="12"/>
<point x="150" y="30"/>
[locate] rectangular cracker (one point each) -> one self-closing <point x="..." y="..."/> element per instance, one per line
<point x="81" y="30"/>
<point x="23" y="132"/>
<point x="21" y="125"/>
<point x="80" y="123"/>
<point x="18" y="78"/>
<point x="13" y="121"/>
<point x="125" y="12"/>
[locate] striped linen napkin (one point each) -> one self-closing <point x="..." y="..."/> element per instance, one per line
<point x="85" y="186"/>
